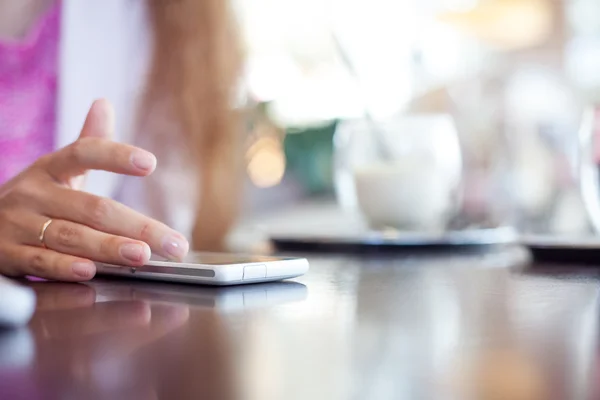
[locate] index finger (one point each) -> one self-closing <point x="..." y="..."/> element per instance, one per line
<point x="93" y="153"/>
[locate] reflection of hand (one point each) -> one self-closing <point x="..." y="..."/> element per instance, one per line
<point x="84" y="227"/>
<point x="96" y="343"/>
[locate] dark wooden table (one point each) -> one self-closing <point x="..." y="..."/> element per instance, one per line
<point x="356" y="327"/>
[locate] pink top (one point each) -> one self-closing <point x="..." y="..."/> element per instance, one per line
<point x="28" y="93"/>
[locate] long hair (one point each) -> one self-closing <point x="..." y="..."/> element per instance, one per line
<point x="195" y="69"/>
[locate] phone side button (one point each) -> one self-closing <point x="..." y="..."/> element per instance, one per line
<point x="254" y="272"/>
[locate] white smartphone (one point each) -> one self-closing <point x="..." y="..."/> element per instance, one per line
<point x="213" y="269"/>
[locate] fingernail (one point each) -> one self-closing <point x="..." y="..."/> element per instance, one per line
<point x="84" y="270"/>
<point x="175" y="246"/>
<point x="143" y="160"/>
<point x="135" y="252"/>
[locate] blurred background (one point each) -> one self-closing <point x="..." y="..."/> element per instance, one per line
<point x="515" y="77"/>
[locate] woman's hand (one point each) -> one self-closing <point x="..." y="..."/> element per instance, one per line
<point x="84" y="227"/>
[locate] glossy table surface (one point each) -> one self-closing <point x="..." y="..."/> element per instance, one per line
<point x="443" y="326"/>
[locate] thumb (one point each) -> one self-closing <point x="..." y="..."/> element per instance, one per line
<point x="100" y="121"/>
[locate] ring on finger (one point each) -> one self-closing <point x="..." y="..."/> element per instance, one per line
<point x="43" y="233"/>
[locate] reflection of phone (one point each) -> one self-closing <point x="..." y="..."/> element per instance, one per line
<point x="214" y="269"/>
<point x="233" y="298"/>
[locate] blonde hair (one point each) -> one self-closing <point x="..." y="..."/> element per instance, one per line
<point x="195" y="68"/>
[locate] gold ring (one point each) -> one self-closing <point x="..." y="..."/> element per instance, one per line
<point x="43" y="232"/>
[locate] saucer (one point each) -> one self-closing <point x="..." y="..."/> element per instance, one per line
<point x="395" y="240"/>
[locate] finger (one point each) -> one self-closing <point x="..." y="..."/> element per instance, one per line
<point x="100" y="121"/>
<point x="112" y="217"/>
<point x="91" y="153"/>
<point x="45" y="263"/>
<point x="82" y="241"/>
<point x="52" y="296"/>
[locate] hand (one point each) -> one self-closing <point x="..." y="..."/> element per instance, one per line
<point x="84" y="227"/>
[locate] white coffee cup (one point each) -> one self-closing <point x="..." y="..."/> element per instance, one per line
<point x="414" y="186"/>
<point x="400" y="196"/>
